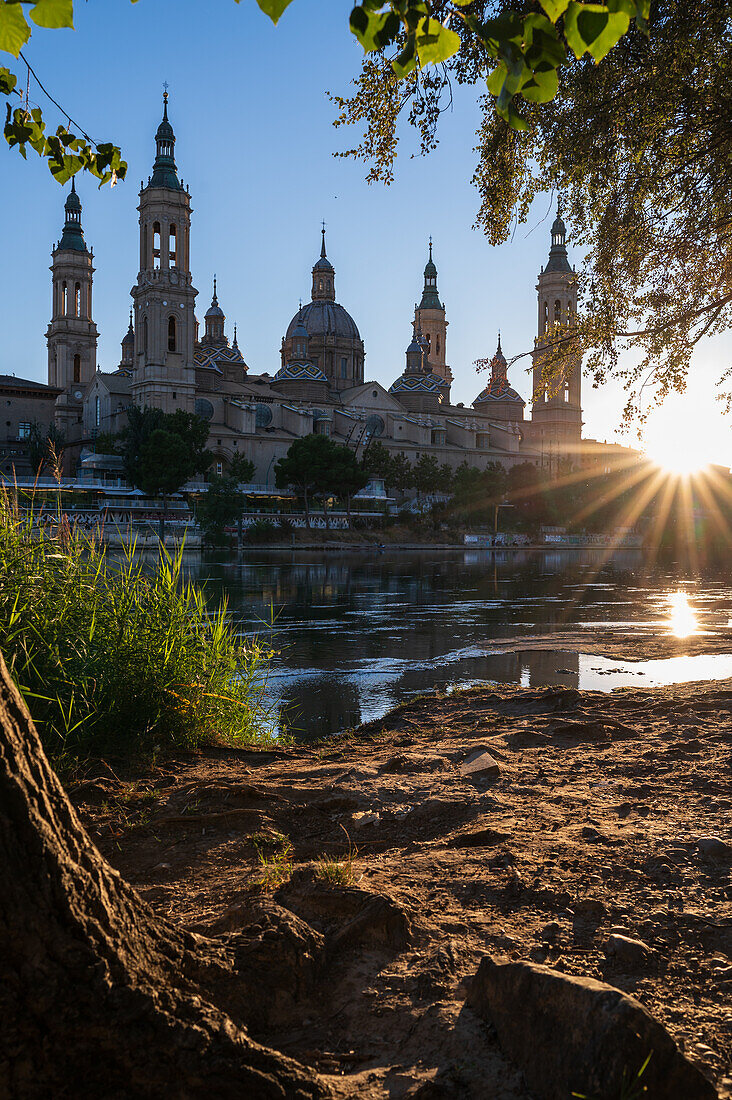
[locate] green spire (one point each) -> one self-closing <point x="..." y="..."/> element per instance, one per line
<point x="164" y="170"/>
<point x="430" y="297"/>
<point x="72" y="238"/>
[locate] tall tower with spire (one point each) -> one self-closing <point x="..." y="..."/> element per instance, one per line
<point x="557" y="406"/>
<point x="430" y="318"/>
<point x="164" y="295"/>
<point x="72" y="334"/>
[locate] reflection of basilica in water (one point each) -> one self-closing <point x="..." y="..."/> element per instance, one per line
<point x="358" y="633"/>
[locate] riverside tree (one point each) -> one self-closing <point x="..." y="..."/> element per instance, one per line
<point x="44" y="446"/>
<point x="223" y="502"/>
<point x="162" y="451"/>
<point x="316" y="466"/>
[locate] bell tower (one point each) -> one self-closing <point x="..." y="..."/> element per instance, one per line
<point x="164" y="296"/>
<point x="557" y="406"/>
<point x="430" y="318"/>
<point x="72" y="334"/>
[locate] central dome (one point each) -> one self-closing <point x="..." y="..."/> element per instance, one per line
<point x="324" y="318"/>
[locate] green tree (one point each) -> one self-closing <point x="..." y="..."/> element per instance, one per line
<point x="349" y="476"/>
<point x="305" y="468"/>
<point x="44" y="446"/>
<point x="241" y="469"/>
<point x="163" y="450"/>
<point x="526" y="488"/>
<point x="426" y="474"/>
<point x="377" y="460"/>
<point x="223" y="502"/>
<point x="401" y="473"/>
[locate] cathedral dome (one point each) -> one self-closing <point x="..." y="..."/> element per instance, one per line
<point x="324" y="318"/>
<point x="300" y="372"/>
<point x="498" y="390"/>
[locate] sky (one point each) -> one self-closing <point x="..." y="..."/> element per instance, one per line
<point x="255" y="144"/>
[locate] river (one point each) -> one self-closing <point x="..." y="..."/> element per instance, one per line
<point x="356" y="633"/>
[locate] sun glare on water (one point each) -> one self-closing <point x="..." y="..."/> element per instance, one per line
<point x="682" y="619"/>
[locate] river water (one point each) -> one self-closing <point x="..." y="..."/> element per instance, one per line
<point x="357" y="633"/>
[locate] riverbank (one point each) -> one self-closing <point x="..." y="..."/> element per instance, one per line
<point x="365" y="878"/>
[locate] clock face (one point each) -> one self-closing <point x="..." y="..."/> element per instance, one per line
<point x="77" y="395"/>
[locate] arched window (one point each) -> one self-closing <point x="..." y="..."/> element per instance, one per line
<point x="144" y="258"/>
<point x="77" y="300"/>
<point x="156" y="245"/>
<point x="566" y="392"/>
<point x="171" y="333"/>
<point x="320" y="284"/>
<point x="344" y="368"/>
<point x="144" y="334"/>
<point x="546" y="315"/>
<point x="437" y="349"/>
<point x="172" y="243"/>
<point x="97" y="411"/>
<point x="558" y="312"/>
<point x="77" y="368"/>
<point x="64" y="299"/>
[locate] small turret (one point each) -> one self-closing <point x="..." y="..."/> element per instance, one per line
<point x="128" y="348"/>
<point x="72" y="238"/>
<point x="164" y="170"/>
<point x="215" y="319"/>
<point x="430" y="297"/>
<point x="323" y="276"/>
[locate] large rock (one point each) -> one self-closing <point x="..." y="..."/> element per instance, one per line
<point x="577" y="1035"/>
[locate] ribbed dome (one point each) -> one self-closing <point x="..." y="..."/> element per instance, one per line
<point x="324" y="318"/>
<point x="416" y="383"/>
<point x="498" y="390"/>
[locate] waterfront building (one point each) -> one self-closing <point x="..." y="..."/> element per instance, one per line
<point x="321" y="385"/>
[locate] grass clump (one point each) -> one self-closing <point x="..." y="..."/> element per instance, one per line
<point x="274" y="852"/>
<point x="119" y="656"/>
<point x="338" y="872"/>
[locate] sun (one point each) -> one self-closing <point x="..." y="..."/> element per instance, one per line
<point x="677" y="440"/>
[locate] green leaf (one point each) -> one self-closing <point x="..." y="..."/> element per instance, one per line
<point x="53" y="13"/>
<point x="593" y="29"/>
<point x="435" y="42"/>
<point x="14" y="31"/>
<point x="407" y="59"/>
<point x="374" y="30"/>
<point x="554" y="8"/>
<point x="273" y="8"/>
<point x="8" y="81"/>
<point x="542" y="87"/>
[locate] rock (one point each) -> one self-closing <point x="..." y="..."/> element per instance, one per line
<point x="479" y="764"/>
<point x="577" y="1035"/>
<point x="627" y="951"/>
<point x="714" y="848"/>
<point x="550" y="932"/>
<point x="538" y="953"/>
<point x="480" y="838"/>
<point x="367" y="817"/>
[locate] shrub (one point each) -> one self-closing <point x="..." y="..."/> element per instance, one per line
<point x="119" y="656"/>
<point x="262" y="530"/>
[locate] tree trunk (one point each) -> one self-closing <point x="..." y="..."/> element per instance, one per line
<point x="99" y="997"/>
<point x="307" y="509"/>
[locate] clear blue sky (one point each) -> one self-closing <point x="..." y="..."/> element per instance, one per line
<point x="254" y="143"/>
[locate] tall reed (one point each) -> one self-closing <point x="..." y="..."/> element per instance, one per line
<point x="116" y="655"/>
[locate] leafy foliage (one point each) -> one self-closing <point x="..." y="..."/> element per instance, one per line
<point x="223" y="502"/>
<point x="164" y="450"/>
<point x="44" y="445"/>
<point x="317" y="466"/>
<point x="117" y="656"/>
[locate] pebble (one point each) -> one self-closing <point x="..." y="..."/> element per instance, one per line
<point x="479" y="763"/>
<point x="550" y="931"/>
<point x="368" y="817"/>
<point x="628" y="952"/>
<point x="714" y="848"/>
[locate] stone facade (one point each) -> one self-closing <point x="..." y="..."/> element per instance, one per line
<point x="320" y="386"/>
<point x="23" y="403"/>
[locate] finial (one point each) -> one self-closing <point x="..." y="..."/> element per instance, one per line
<point x="165" y="98"/>
<point x="73" y="185"/>
<point x="214" y="300"/>
<point x="322" y="247"/>
<point x="430" y="247"/>
<point x="130" y="318"/>
<point x="299" y="306"/>
<point x="499" y="340"/>
<point x="235" y="343"/>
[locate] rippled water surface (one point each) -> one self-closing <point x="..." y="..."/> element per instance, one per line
<point x="359" y="632"/>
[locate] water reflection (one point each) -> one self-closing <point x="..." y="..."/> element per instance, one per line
<point x="360" y="632"/>
<point x="682" y="620"/>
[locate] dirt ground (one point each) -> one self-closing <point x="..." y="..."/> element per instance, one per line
<point x="366" y="878"/>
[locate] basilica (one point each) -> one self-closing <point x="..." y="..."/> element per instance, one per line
<point x="169" y="361"/>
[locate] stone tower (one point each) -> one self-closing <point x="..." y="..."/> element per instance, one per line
<point x="557" y="407"/>
<point x="429" y="317"/>
<point x="164" y="296"/>
<point x="72" y="334"/>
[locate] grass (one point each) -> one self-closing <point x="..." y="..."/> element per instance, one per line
<point x="117" y="656"/>
<point x="274" y="852"/>
<point x="338" y="872"/>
